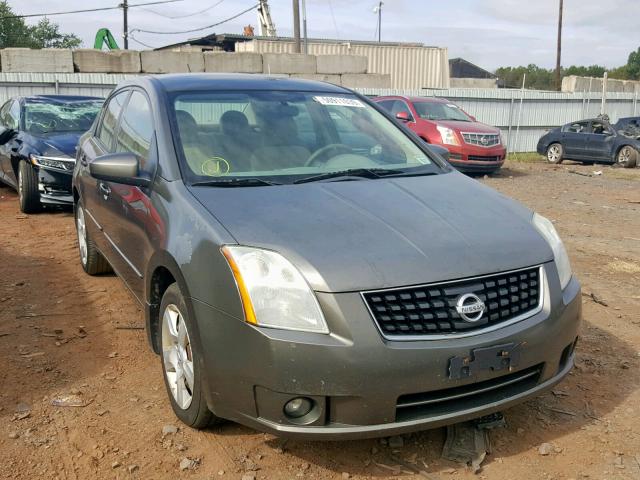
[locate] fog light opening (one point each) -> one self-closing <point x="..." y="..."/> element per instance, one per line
<point x="298" y="407"/>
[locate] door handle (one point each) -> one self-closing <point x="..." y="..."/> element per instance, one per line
<point x="105" y="190"/>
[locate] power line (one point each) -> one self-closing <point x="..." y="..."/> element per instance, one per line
<point x="100" y="9"/>
<point x="139" y="42"/>
<point x="176" y="17"/>
<point x="197" y="29"/>
<point x="333" y="17"/>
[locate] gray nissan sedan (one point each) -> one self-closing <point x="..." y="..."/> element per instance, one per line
<point x="309" y="268"/>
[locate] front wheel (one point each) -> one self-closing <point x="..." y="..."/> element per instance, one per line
<point x="555" y="153"/>
<point x="181" y="362"/>
<point x="627" y="157"/>
<point x="28" y="194"/>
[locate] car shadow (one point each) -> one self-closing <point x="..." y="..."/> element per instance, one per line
<point x="595" y="387"/>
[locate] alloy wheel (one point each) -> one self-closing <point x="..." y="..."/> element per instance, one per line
<point x="554" y="154"/>
<point x="177" y="356"/>
<point x="81" y="228"/>
<point x="624" y="157"/>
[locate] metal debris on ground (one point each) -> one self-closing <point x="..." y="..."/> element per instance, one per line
<point x="69" y="401"/>
<point x="469" y="442"/>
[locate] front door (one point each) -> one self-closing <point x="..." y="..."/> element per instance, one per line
<point x="9" y="119"/>
<point x="130" y="213"/>
<point x="600" y="142"/>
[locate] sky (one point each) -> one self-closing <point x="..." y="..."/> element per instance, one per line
<point x="490" y="33"/>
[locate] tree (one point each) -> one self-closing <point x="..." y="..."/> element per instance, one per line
<point x="14" y="32"/>
<point x="633" y="65"/>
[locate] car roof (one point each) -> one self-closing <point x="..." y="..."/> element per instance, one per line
<point x="414" y="99"/>
<point x="233" y="82"/>
<point x="59" y="98"/>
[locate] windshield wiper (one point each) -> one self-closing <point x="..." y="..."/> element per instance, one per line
<point x="235" y="182"/>
<point x="354" y="172"/>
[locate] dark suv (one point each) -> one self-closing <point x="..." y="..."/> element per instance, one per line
<point x="309" y="268"/>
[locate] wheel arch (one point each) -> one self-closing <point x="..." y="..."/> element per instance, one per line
<point x="162" y="271"/>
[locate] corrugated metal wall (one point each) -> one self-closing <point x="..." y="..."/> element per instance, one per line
<point x="410" y="67"/>
<point x="540" y="111"/>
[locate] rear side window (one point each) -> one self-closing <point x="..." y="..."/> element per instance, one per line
<point x="576" y="128"/>
<point x="106" y="130"/>
<point x="136" y="129"/>
<point x="10" y="114"/>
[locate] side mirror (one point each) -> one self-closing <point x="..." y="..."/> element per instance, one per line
<point x="121" y="168"/>
<point x="403" y="116"/>
<point x="6" y="134"/>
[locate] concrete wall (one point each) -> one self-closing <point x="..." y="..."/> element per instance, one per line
<point x="171" y="62"/>
<point x="24" y="60"/>
<point x="577" y="84"/>
<point x="348" y="70"/>
<point x="115" y="61"/>
<point x="473" y="83"/>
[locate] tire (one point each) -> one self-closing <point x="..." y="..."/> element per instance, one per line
<point x="28" y="194"/>
<point x="555" y="153"/>
<point x="180" y="355"/>
<point x="627" y="157"/>
<point x="92" y="261"/>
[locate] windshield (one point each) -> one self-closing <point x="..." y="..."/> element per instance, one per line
<point x="41" y="117"/>
<point x="440" y="111"/>
<point x="283" y="137"/>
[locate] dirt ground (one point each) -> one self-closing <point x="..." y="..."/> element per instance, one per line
<point x="67" y="336"/>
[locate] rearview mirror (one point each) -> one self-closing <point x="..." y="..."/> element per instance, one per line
<point x="403" y="116"/>
<point x="121" y="168"/>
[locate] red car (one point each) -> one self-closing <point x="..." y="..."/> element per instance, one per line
<point x="473" y="146"/>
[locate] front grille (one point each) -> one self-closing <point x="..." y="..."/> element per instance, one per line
<point x="474" y="395"/>
<point x="481" y="158"/>
<point x="430" y="310"/>
<point x="481" y="139"/>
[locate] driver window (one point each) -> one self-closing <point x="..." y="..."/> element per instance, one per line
<point x="599" y="128"/>
<point x="107" y="129"/>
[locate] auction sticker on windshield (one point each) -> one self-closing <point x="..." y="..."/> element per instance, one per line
<point x="339" y="101"/>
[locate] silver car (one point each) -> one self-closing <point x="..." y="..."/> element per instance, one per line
<point x="308" y="267"/>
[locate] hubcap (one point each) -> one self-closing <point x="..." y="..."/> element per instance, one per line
<point x="177" y="356"/>
<point x="554" y="154"/>
<point x="624" y="156"/>
<point x="82" y="234"/>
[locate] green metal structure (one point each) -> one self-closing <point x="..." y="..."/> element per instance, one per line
<point x="103" y="37"/>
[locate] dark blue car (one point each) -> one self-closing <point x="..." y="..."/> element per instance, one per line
<point x="38" y="138"/>
<point x="593" y="141"/>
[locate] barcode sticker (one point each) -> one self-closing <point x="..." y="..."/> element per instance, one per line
<point x="339" y="101"/>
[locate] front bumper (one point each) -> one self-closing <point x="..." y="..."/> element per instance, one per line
<point x="469" y="158"/>
<point x="356" y="377"/>
<point x="54" y="186"/>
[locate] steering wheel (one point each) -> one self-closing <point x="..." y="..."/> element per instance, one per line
<point x="316" y="156"/>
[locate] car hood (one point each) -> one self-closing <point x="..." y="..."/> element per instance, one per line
<point x="471" y="127"/>
<point x="56" y="143"/>
<point x="363" y="235"/>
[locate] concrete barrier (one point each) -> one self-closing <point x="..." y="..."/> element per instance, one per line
<point x="338" y="64"/>
<point x="366" y="80"/>
<point x="473" y="83"/>
<point x="319" y="77"/>
<point x="242" y="62"/>
<point x="288" y="63"/>
<point x="115" y="61"/>
<point x="51" y="60"/>
<point x="575" y="84"/>
<point x="171" y="62"/>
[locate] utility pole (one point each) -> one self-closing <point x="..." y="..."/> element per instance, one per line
<point x="559" y="53"/>
<point x="296" y="26"/>
<point x="378" y="10"/>
<point x="304" y="27"/>
<point x="125" y="34"/>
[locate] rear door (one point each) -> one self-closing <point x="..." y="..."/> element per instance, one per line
<point x="130" y="215"/>
<point x="93" y="191"/>
<point x="574" y="139"/>
<point x="600" y="140"/>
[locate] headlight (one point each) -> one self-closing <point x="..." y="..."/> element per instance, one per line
<point x="548" y="231"/>
<point x="273" y="292"/>
<point x="55" y="163"/>
<point x="448" y="136"/>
